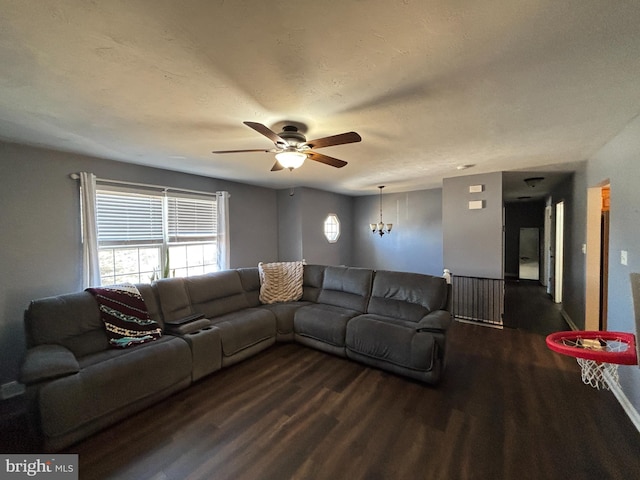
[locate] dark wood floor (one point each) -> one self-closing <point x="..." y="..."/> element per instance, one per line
<point x="528" y="307"/>
<point x="508" y="408"/>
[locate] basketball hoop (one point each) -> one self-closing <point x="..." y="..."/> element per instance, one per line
<point x="598" y="353"/>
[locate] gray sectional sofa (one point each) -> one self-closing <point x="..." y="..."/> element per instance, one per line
<point x="78" y="385"/>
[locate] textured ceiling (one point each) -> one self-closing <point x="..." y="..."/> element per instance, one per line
<point x="430" y="85"/>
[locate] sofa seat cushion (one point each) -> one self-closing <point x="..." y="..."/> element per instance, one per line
<point x="245" y="328"/>
<point x="326" y="323"/>
<point x="111" y="380"/>
<point x="393" y="341"/>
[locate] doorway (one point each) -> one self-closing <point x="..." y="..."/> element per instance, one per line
<point x="559" y="253"/>
<point x="529" y="254"/>
<point x="548" y="249"/>
<point x="604" y="257"/>
<point x="597" y="257"/>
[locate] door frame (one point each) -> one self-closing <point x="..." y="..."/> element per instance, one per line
<point x="559" y="253"/>
<point x="593" y="270"/>
<point x="548" y="248"/>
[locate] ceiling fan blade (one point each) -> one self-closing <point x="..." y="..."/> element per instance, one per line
<point x="341" y="139"/>
<point x="276" y="167"/>
<point x="244" y="151"/>
<point x="267" y="132"/>
<point x="319" y="157"/>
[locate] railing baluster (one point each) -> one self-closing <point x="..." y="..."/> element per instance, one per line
<point x="478" y="299"/>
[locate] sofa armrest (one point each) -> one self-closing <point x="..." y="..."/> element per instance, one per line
<point x="437" y="321"/>
<point x="46" y="362"/>
<point x="186" y="327"/>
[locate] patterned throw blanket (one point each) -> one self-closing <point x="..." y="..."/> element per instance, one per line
<point x="125" y="315"/>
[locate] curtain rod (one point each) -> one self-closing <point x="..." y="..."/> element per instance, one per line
<point x="76" y="176"/>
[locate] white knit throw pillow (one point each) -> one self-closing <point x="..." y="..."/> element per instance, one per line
<point x="280" y="281"/>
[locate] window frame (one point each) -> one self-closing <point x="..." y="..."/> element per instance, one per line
<point x="191" y="232"/>
<point x="331" y="234"/>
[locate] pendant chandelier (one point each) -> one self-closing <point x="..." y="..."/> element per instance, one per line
<point x="381" y="227"/>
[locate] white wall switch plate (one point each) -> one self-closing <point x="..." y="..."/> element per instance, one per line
<point x="476" y="204"/>
<point x="623" y="257"/>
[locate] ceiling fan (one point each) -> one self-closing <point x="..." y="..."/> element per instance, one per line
<point x="292" y="147"/>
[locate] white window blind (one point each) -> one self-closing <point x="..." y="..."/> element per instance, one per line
<point x="191" y="220"/>
<point x="128" y="218"/>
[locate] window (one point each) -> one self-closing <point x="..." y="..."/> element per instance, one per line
<point x="192" y="232"/>
<point x="143" y="236"/>
<point x="332" y="228"/>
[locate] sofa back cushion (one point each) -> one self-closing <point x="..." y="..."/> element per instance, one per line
<point x="71" y="320"/>
<point x="174" y="298"/>
<point x="407" y="296"/>
<point x="312" y="279"/>
<point x="151" y="300"/>
<point x="217" y="293"/>
<point x="346" y="287"/>
<point x="212" y="295"/>
<point x="250" y="280"/>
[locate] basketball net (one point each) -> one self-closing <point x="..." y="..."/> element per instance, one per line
<point x="600" y="375"/>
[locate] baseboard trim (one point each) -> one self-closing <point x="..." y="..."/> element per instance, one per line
<point x="567" y="319"/>
<point x="627" y="406"/>
<point x="482" y="324"/>
<point x="614" y="386"/>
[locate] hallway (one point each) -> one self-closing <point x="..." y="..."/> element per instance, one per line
<point x="527" y="306"/>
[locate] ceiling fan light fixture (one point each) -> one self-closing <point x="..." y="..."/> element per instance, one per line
<point x="293" y="148"/>
<point x="291" y="159"/>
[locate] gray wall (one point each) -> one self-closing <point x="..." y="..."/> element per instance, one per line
<point x="289" y="226"/>
<point x="40" y="229"/>
<point x="573" y="193"/>
<point x="618" y="161"/>
<point x="301" y="218"/>
<point x="473" y="238"/>
<point x="415" y="242"/>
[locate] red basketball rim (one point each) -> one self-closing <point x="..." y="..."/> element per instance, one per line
<point x="556" y="342"/>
